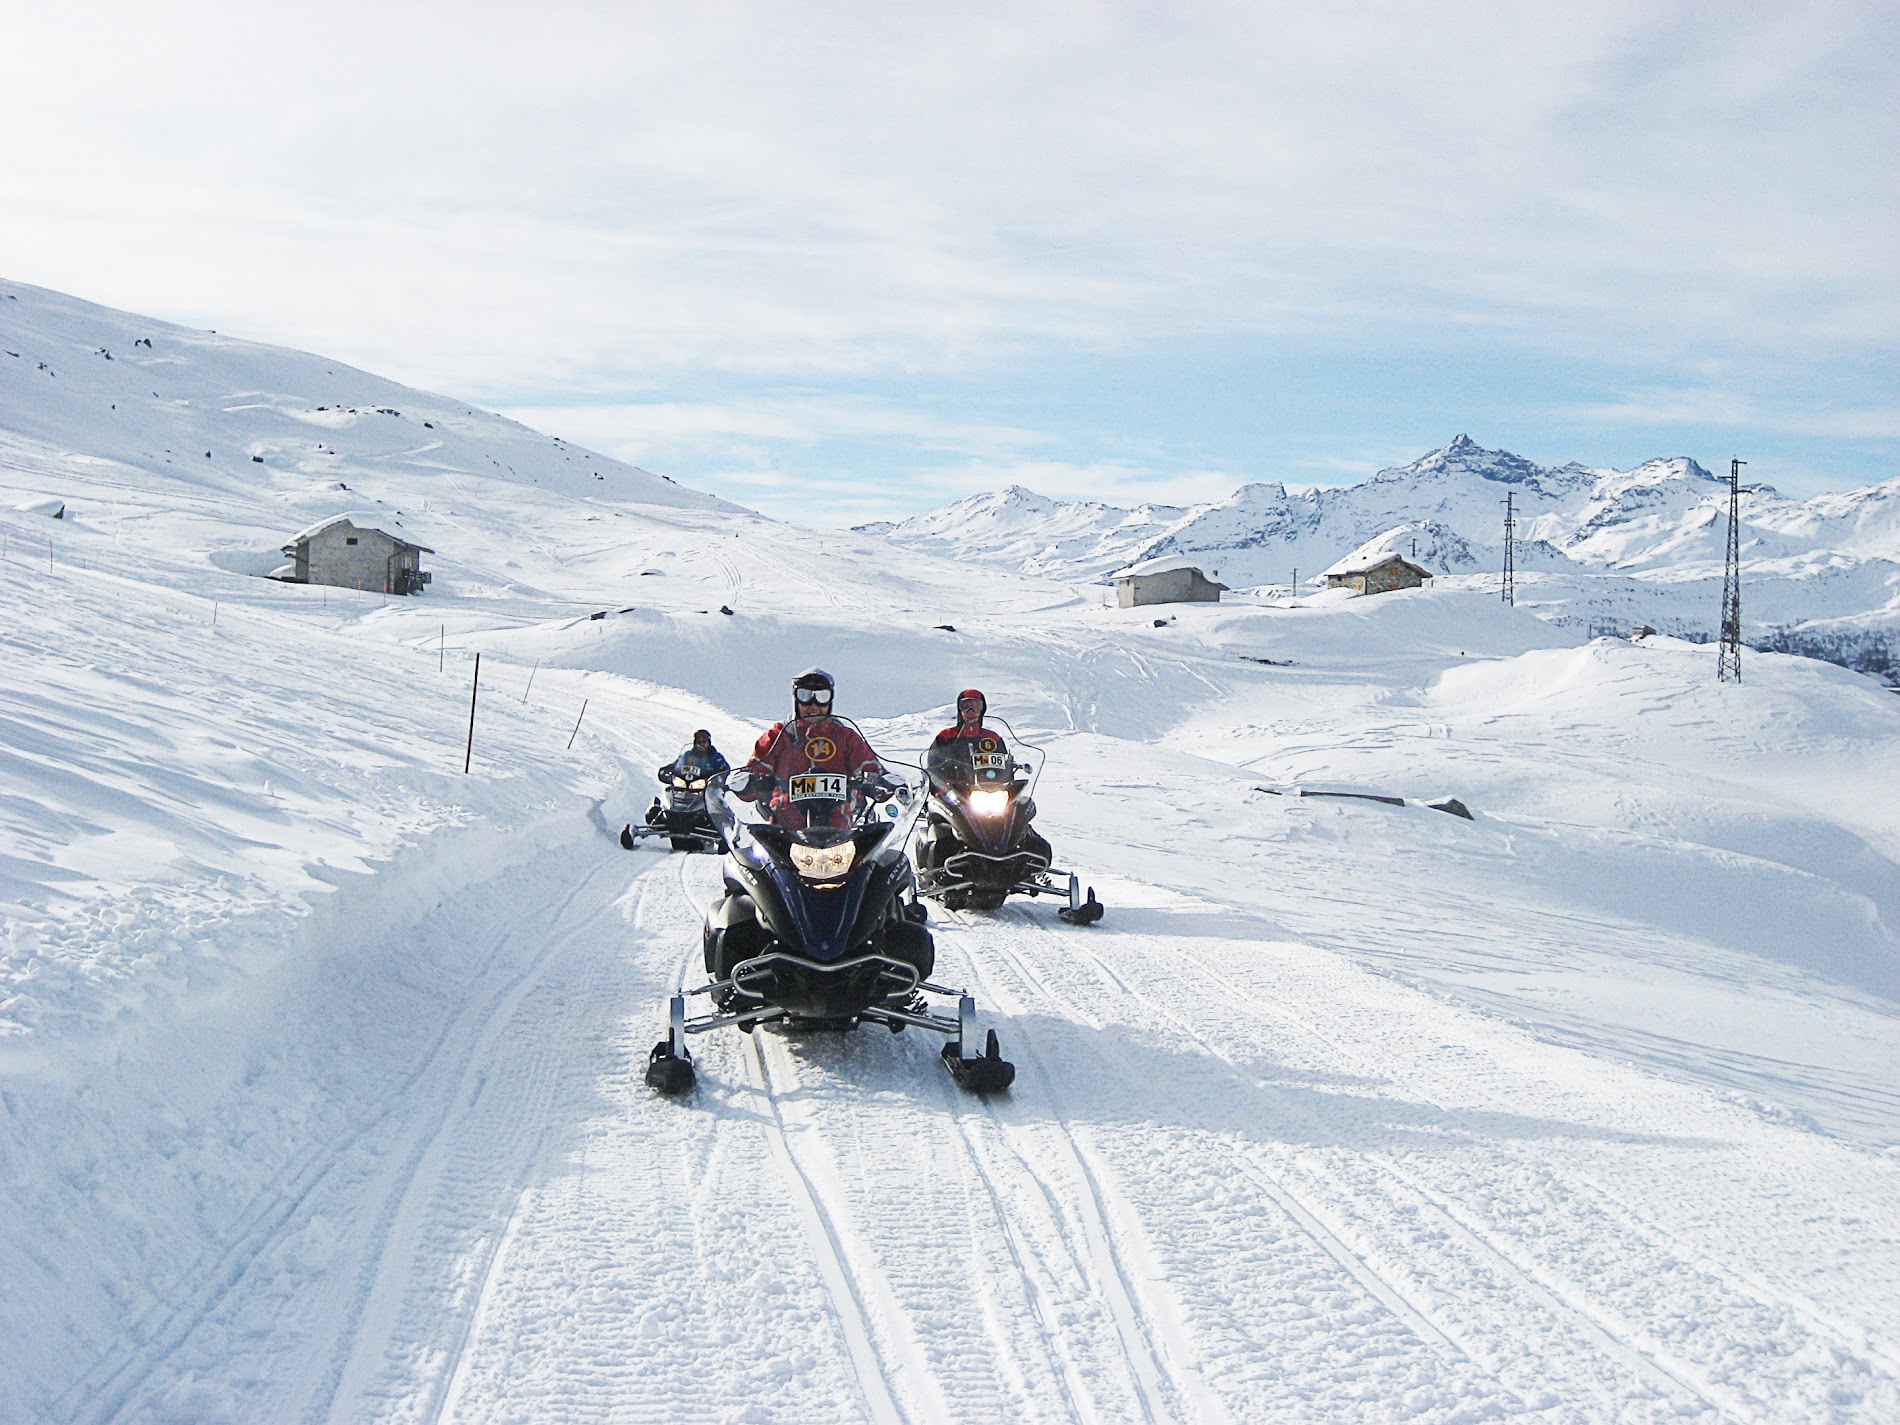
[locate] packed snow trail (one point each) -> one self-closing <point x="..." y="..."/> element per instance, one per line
<point x="1238" y="1179"/>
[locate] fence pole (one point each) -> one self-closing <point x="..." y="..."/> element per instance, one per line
<point x="531" y="672"/>
<point x="577" y="726"/>
<point x="441" y="648"/>
<point x="473" y="688"/>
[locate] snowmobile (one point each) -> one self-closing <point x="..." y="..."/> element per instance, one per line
<point x="977" y="848"/>
<point x="819" y="925"/>
<point x="683" y="819"/>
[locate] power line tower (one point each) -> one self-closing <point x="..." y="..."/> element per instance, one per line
<point x="1510" y="549"/>
<point x="1728" y="663"/>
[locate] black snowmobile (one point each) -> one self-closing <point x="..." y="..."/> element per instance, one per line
<point x="819" y="927"/>
<point x="682" y="819"/>
<point x="977" y="848"/>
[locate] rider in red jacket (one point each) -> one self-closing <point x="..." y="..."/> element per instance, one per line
<point x="813" y="761"/>
<point x="971" y="705"/>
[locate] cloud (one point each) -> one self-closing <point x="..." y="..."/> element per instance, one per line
<point x="1727" y="410"/>
<point x="1112" y="482"/>
<point x="749" y="237"/>
<point x="605" y="193"/>
<point x="801" y="420"/>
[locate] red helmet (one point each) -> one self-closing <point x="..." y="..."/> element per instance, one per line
<point x="972" y="695"/>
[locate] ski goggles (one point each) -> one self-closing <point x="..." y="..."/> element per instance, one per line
<point x="812" y="695"/>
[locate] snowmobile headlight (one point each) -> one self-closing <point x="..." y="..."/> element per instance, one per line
<point x="823" y="863"/>
<point x="698" y="786"/>
<point x="989" y="802"/>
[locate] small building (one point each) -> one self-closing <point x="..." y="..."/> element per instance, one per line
<point x="1379" y="574"/>
<point x="1172" y="579"/>
<point x="350" y="553"/>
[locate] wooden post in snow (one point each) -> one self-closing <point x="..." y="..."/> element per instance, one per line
<point x="473" y="688"/>
<point x="577" y="726"/>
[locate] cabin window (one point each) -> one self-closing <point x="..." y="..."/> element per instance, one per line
<point x="350" y="540"/>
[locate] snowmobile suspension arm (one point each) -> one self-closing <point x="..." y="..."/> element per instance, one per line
<point x="942" y="1024"/>
<point x="745" y="1020"/>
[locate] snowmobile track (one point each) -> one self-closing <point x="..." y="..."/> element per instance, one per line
<point x="858" y="1294"/>
<point x="1618" y="1339"/>
<point x="104" y="1390"/>
<point x="1165" y="1390"/>
<point x="1032" y="1275"/>
<point x="456" y="1376"/>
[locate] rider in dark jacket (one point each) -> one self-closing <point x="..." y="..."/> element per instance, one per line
<point x="699" y="762"/>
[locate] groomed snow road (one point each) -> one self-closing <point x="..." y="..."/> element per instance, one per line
<point x="1239" y="1178"/>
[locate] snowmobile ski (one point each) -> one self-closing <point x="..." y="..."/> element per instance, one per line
<point x="987" y="1074"/>
<point x="670" y="1067"/>
<point x="1078" y="911"/>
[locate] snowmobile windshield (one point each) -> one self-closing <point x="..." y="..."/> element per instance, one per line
<point x="997" y="761"/>
<point x="817" y="811"/>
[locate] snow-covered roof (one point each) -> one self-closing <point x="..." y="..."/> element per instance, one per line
<point x="53" y="507"/>
<point x="1164" y="564"/>
<point x="361" y="519"/>
<point x="1371" y="557"/>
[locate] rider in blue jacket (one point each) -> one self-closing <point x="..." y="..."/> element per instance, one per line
<point x="699" y="762"/>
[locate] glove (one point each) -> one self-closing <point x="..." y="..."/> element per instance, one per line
<point x="878" y="786"/>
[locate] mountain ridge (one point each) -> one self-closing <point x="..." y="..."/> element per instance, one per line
<point x="1594" y="545"/>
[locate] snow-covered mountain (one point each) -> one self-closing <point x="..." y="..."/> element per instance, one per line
<point x="1643" y="545"/>
<point x="1022" y="530"/>
<point x="320" y="1056"/>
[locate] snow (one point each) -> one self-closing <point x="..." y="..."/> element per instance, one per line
<point x="1646" y="545"/>
<point x="360" y="519"/>
<point x="320" y="1060"/>
<point x="1375" y="552"/>
<point x="1165" y="564"/>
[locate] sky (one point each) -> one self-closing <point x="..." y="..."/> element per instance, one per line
<point x="842" y="262"/>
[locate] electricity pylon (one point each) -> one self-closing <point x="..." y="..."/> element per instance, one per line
<point x="1510" y="551"/>
<point x="1728" y="662"/>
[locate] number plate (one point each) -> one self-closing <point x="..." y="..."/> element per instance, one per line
<point x="818" y="786"/>
<point x="990" y="761"/>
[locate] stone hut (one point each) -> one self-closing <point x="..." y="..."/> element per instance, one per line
<point x="351" y="553"/>
<point x="1377" y="574"/>
<point x="1172" y="579"/>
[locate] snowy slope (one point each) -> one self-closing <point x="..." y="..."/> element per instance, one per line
<point x="319" y="1060"/>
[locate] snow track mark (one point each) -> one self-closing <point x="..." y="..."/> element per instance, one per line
<point x="288" y="1202"/>
<point x="1668" y="1377"/>
<point x="859" y="1299"/>
<point x="1645" y="1330"/>
<point x="1154" y="1345"/>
